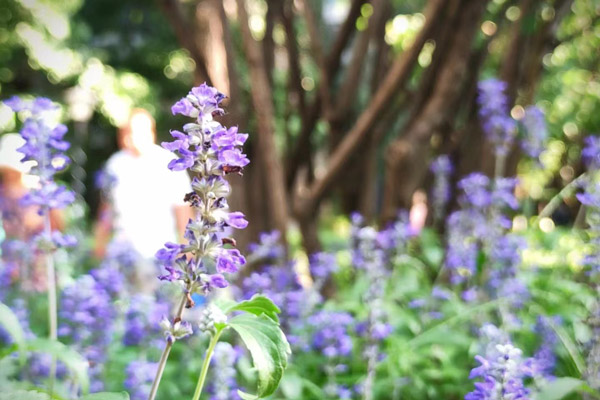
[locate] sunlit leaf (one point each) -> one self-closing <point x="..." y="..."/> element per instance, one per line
<point x="257" y="305"/>
<point x="269" y="349"/>
<point x="10" y="322"/>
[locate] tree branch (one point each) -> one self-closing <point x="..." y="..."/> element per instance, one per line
<point x="186" y="36"/>
<point x="263" y="108"/>
<point x="301" y="152"/>
<point x="394" y="80"/>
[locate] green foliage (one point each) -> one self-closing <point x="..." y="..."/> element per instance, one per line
<point x="560" y="388"/>
<point x="24" y="395"/>
<point x="269" y="349"/>
<point x="76" y="363"/>
<point x="106" y="396"/>
<point x="257" y="305"/>
<point x="10" y="322"/>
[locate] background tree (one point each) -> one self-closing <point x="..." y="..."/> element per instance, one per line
<point x="349" y="100"/>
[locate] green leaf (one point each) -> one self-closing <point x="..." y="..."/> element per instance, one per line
<point x="247" y="396"/>
<point x="291" y="386"/>
<point x="106" y="396"/>
<point x="269" y="349"/>
<point x="11" y="324"/>
<point x="257" y="305"/>
<point x="24" y="395"/>
<point x="74" y="361"/>
<point x="559" y="388"/>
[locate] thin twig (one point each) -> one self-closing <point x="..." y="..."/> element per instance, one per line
<point x="557" y="200"/>
<point x="165" y="354"/>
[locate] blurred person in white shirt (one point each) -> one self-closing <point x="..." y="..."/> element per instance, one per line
<point x="146" y="207"/>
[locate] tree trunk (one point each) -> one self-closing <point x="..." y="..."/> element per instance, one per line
<point x="263" y="109"/>
<point x="407" y="157"/>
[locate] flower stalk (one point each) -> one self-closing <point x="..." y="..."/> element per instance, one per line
<point x="207" y="357"/>
<point x="166" y="351"/>
<point x="210" y="152"/>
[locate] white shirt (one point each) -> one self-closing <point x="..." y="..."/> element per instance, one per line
<point x="144" y="197"/>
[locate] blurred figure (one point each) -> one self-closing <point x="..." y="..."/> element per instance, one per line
<point x="418" y="211"/>
<point x="20" y="224"/>
<point x="146" y="199"/>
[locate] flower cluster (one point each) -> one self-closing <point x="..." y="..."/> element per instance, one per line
<point x="9" y="272"/>
<point x="432" y="303"/>
<point x="480" y="222"/>
<point x="210" y="151"/>
<point x="268" y="248"/>
<point x="139" y="376"/>
<point x="498" y="126"/>
<point x="442" y="170"/>
<point x="591" y="152"/>
<point x="224" y="385"/>
<point x="331" y="333"/>
<point x="591" y="199"/>
<point x="209" y="319"/>
<point x="331" y="337"/>
<point x="502" y="369"/>
<point x="142" y="321"/>
<point x="544" y="359"/>
<point x="279" y="283"/>
<point x="536" y="131"/>
<point x="45" y="146"/>
<point x="87" y="316"/>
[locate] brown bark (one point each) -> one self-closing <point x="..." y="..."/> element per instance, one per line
<point x="268" y="45"/>
<point x="315" y="42"/>
<point x="406" y="158"/>
<point x="263" y="109"/>
<point x="186" y="36"/>
<point x="382" y="49"/>
<point x="295" y="92"/>
<point x="351" y="81"/>
<point x="523" y="62"/>
<point x="301" y="153"/>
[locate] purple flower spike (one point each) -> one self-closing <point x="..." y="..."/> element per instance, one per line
<point x="44" y="144"/>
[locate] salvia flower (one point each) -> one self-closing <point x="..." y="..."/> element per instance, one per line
<point x="331" y="337"/>
<point x="393" y="240"/>
<point x="536" y="131"/>
<point x="210" y="151"/>
<point x="224" y="385"/>
<point x="591" y="152"/>
<point x="331" y="333"/>
<point x="322" y="265"/>
<point x="139" y="376"/>
<point x="544" y="359"/>
<point x="442" y="170"/>
<point x="175" y="330"/>
<point x="211" y="316"/>
<point x="462" y="244"/>
<point x="497" y="124"/>
<point x="44" y="144"/>
<point x="502" y="369"/>
<point x="86" y="321"/>
<point x="142" y="321"/>
<point x="268" y="248"/>
<point x="591" y="199"/>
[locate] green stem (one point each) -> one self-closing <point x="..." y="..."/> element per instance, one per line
<point x="52" y="308"/>
<point x="165" y="354"/>
<point x="500" y="165"/>
<point x="556" y="201"/>
<point x="207" y="358"/>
